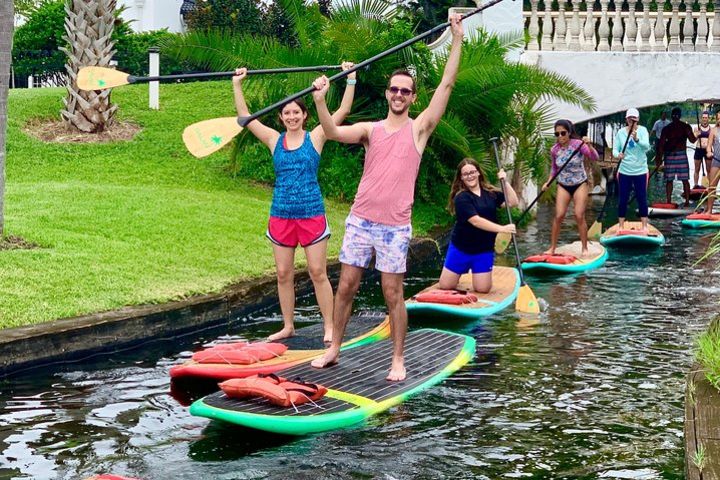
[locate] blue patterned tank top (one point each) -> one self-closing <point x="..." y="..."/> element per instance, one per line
<point x="297" y="192"/>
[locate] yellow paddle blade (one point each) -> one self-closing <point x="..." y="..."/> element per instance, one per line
<point x="208" y="136"/>
<point x="526" y="301"/>
<point x="705" y="182"/>
<point x="502" y="240"/>
<point x="595" y="231"/>
<point x="100" y="78"/>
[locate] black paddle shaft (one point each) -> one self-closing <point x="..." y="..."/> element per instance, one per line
<point x="184" y="76"/>
<point x="243" y="121"/>
<point x="613" y="174"/>
<point x="507" y="209"/>
<point x="575" y="152"/>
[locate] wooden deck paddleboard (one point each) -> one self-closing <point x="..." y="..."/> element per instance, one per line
<point x="306" y="345"/>
<point x="614" y="238"/>
<point x="598" y="257"/>
<point x="357" y="388"/>
<point x="506" y="284"/>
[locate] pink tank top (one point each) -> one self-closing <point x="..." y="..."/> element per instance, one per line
<point x="387" y="187"/>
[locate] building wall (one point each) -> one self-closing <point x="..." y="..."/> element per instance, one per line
<point x="147" y="15"/>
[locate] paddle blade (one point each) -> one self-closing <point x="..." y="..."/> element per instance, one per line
<point x="705" y="182"/>
<point x="595" y="231"/>
<point x="100" y="78"/>
<point x="502" y="240"/>
<point x="526" y="301"/>
<point x="208" y="136"/>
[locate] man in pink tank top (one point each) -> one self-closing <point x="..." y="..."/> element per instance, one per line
<point x="379" y="221"/>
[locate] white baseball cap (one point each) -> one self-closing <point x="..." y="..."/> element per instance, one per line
<point x="632" y="112"/>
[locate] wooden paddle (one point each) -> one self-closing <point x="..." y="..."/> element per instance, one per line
<point x="101" y="78"/>
<point x="209" y="136"/>
<point x="526" y="301"/>
<point x="595" y="230"/>
<point x="503" y="239"/>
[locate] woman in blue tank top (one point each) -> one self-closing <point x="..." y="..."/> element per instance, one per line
<point x="297" y="213"/>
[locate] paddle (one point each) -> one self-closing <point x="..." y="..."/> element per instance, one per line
<point x="704" y="181"/>
<point x="526" y="301"/>
<point x="503" y="239"/>
<point x="101" y="78"/>
<point x="206" y="137"/>
<point x="595" y="230"/>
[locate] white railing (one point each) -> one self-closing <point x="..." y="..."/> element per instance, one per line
<point x="623" y="26"/>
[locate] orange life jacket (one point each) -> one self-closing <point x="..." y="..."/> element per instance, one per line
<point x="277" y="390"/>
<point x="241" y="353"/>
<point x="449" y="297"/>
<point x="557" y="259"/>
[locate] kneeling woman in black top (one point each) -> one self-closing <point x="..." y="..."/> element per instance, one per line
<point x="475" y="203"/>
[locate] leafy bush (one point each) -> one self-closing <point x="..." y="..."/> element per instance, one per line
<point x="35" y="43"/>
<point x="708" y="353"/>
<point x="132" y="53"/>
<point x="236" y="16"/>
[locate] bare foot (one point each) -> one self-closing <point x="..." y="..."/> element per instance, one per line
<point x="284" y="333"/>
<point x="549" y="251"/>
<point x="397" y="371"/>
<point x="585" y="254"/>
<point x="330" y="357"/>
<point x="328" y="337"/>
<point x="686" y="204"/>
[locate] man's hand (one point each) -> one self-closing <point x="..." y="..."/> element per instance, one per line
<point x="456" y="27"/>
<point x="322" y="85"/>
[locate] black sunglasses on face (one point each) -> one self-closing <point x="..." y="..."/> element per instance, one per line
<point x="403" y="91"/>
<point x="561" y="133"/>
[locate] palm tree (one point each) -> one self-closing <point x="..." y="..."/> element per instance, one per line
<point x="7" y="17"/>
<point x="88" y="27"/>
<point x="492" y="97"/>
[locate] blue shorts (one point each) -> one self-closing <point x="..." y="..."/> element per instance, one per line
<point x="460" y="262"/>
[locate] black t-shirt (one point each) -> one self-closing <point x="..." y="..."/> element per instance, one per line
<point x="466" y="237"/>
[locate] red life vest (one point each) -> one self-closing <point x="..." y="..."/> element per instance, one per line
<point x="449" y="297"/>
<point x="277" y="390"/>
<point x="241" y="353"/>
<point x="557" y="259"/>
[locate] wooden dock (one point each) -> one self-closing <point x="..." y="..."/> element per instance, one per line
<point x="702" y="427"/>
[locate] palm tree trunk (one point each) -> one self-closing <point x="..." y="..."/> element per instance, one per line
<point x="88" y="26"/>
<point x="7" y="18"/>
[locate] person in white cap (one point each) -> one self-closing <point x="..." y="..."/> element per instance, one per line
<point x="633" y="170"/>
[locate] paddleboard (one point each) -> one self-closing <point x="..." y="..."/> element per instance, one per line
<point x="696" y="193"/>
<point x="665" y="210"/>
<point x="305" y="345"/>
<point x="631" y="236"/>
<point x="567" y="253"/>
<point x="701" y="220"/>
<point x="506" y="284"/>
<point x="357" y="388"/>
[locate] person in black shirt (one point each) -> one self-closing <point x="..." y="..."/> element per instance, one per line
<point x="474" y="202"/>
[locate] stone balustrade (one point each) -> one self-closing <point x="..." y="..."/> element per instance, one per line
<point x="622" y="26"/>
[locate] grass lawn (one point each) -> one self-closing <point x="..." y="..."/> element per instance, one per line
<point x="131" y="222"/>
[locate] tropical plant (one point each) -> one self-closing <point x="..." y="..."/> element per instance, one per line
<point x="36" y="42"/>
<point x="6" y="33"/>
<point x="708" y="353"/>
<point x="88" y="33"/>
<point x="492" y="97"/>
<point x="28" y="7"/>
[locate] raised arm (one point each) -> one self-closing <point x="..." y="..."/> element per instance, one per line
<point x="511" y="197"/>
<point x="357" y="133"/>
<point x="347" y="100"/>
<point x="430" y="117"/>
<point x="643" y="139"/>
<point x="265" y="134"/>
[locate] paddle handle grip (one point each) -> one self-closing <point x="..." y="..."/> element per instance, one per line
<point x="494" y="141"/>
<point x="187" y="76"/>
<point x="243" y="121"/>
<point x="575" y="152"/>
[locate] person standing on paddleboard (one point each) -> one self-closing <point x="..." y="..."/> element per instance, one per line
<point x="572" y="181"/>
<point x="672" y="151"/>
<point x="633" y="170"/>
<point x="379" y="220"/>
<point x="297" y="213"/>
<point x="474" y="202"/>
<point x="701" y="148"/>
<point x="713" y="153"/>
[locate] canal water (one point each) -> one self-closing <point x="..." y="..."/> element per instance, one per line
<point x="592" y="389"/>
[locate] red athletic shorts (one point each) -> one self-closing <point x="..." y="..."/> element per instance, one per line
<point x="289" y="232"/>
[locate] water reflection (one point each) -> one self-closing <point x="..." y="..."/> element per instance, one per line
<point x="593" y="389"/>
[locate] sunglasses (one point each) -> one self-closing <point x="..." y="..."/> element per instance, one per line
<point x="403" y="91"/>
<point x="561" y="133"/>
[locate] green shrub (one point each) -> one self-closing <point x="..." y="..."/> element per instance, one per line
<point x="708" y="353"/>
<point x="36" y="42"/>
<point x="132" y="53"/>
